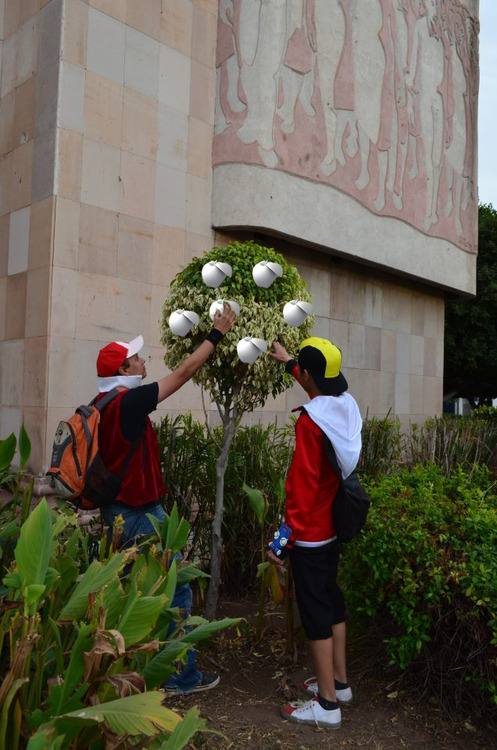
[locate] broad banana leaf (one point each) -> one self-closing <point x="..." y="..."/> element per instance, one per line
<point x="96" y="576"/>
<point x="191" y="724"/>
<point x="257" y="501"/>
<point x="205" y="631"/>
<point x="141" y="618"/>
<point x="141" y="714"/>
<point x="43" y="741"/>
<point x="32" y="552"/>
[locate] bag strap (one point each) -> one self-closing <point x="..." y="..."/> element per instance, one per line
<point x="105" y="400"/>
<point x="100" y="405"/>
<point x="329" y="450"/>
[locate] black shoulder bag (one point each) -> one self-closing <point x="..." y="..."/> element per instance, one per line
<point x="351" y="504"/>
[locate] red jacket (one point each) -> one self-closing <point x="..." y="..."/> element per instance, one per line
<point x="311" y="486"/>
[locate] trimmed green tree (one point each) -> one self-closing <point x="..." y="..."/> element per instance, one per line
<point x="235" y="387"/>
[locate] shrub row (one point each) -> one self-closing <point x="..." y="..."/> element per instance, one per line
<point x="425" y="567"/>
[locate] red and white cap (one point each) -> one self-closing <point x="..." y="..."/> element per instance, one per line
<point x="112" y="356"/>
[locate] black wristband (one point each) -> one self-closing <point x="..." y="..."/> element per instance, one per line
<point x="290" y="365"/>
<point x="215" y="336"/>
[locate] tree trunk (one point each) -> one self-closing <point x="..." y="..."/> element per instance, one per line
<point x="229" y="425"/>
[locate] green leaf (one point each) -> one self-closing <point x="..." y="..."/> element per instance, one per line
<point x="12" y="580"/>
<point x="170" y="527"/>
<point x="181" y="536"/>
<point x="205" y="631"/>
<point x="68" y="572"/>
<point x="4" y="717"/>
<point x="141" y="618"/>
<point x="43" y="741"/>
<point x="189" y="572"/>
<point x="74" y="671"/>
<point x="33" y="549"/>
<point x="7" y="451"/>
<point x="159" y="667"/>
<point x="9" y="530"/>
<point x="112" y="602"/>
<point x="182" y="734"/>
<point x="24" y="446"/>
<point x="257" y="501"/>
<point x="95" y="578"/>
<point x="155" y="523"/>
<point x="141" y="714"/>
<point x="172" y="578"/>
<point x="33" y="592"/>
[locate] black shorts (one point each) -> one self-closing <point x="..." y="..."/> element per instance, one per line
<point x="319" y="597"/>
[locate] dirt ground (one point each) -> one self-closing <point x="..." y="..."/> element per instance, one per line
<point x="256" y="678"/>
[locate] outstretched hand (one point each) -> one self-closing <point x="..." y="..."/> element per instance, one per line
<point x="224" y="322"/>
<point x="279" y="353"/>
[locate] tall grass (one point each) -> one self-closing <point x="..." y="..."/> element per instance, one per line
<point x="260" y="457"/>
<point x="449" y="442"/>
<point x="382" y="445"/>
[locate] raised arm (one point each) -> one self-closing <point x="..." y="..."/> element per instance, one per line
<point x="187" y="369"/>
<point x="279" y="353"/>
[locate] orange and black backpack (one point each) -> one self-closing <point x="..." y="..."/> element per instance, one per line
<point x="77" y="471"/>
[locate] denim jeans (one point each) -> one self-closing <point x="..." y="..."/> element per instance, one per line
<point x="136" y="524"/>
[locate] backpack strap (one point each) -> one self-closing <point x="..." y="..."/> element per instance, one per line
<point x="328" y="449"/>
<point x="105" y="400"/>
<point x="100" y="405"/>
<point x="332" y="456"/>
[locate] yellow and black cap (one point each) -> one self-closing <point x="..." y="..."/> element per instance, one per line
<point x="322" y="360"/>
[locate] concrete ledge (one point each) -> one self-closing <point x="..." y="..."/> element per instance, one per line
<point x="253" y="197"/>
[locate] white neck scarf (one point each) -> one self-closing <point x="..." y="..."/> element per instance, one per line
<point x="127" y="381"/>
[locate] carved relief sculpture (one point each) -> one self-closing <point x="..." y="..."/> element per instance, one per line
<point x="376" y="98"/>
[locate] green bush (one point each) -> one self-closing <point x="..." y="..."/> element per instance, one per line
<point x="485" y="412"/>
<point x="425" y="568"/>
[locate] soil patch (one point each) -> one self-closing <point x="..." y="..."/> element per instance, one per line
<point x="257" y="678"/>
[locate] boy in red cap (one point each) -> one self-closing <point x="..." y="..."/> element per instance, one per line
<point x="129" y="448"/>
<point x="311" y="487"/>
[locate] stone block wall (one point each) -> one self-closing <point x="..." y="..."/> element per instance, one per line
<point x="107" y="121"/>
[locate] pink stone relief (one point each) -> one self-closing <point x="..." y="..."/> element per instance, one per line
<point x="377" y="98"/>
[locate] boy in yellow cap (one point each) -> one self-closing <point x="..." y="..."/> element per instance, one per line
<point x="311" y="487"/>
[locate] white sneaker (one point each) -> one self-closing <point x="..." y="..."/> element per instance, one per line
<point x="311" y="686"/>
<point x="312" y="712"/>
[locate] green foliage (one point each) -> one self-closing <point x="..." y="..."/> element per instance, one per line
<point x="486" y="412"/>
<point x="447" y="442"/>
<point x="425" y="566"/>
<point x="382" y="444"/>
<point x="260" y="457"/>
<point x="8" y="448"/>
<point x="470" y="367"/>
<point x="257" y="501"/>
<point x="224" y="376"/>
<point x="7" y="451"/>
<point x="450" y="442"/>
<point x="74" y="633"/>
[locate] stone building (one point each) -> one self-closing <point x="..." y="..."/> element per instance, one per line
<point x="135" y="134"/>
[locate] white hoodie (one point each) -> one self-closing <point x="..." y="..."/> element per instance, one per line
<point x="340" y="420"/>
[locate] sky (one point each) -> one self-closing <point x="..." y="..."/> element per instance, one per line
<point x="487" y="110"/>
